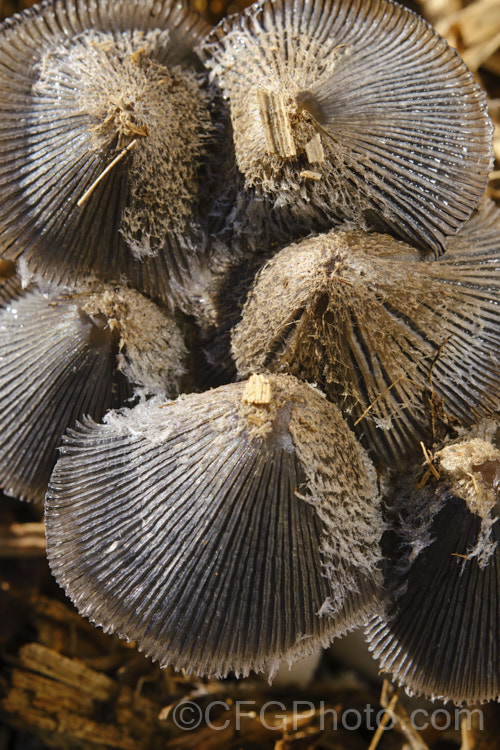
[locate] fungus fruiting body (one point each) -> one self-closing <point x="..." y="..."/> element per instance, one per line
<point x="62" y="356"/>
<point x="384" y="333"/>
<point x="441" y="635"/>
<point x="106" y="124"/>
<point x="225" y="531"/>
<point x="351" y="110"/>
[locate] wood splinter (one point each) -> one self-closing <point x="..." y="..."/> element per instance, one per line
<point x="257" y="391"/>
<point x="314" y="150"/>
<point x="275" y="120"/>
<point x="309" y="174"/>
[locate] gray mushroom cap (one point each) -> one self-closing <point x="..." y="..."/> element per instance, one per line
<point x="225" y="531"/>
<point x="351" y="109"/>
<point x="63" y="356"/>
<point x="91" y="86"/>
<point x="398" y="342"/>
<point x="440" y="635"/>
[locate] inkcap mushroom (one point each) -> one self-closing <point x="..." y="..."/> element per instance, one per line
<point x="401" y="344"/>
<point x="350" y="109"/>
<point x="440" y="636"/>
<point x="225" y="531"/>
<point x="63" y="356"/>
<point x="106" y="125"/>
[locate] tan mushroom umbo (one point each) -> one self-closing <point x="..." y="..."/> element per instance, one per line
<point x="225" y="531"/>
<point x="64" y="356"/>
<point x="350" y="109"/>
<point x="403" y="345"/>
<point x="106" y="125"/>
<point x="440" y="636"/>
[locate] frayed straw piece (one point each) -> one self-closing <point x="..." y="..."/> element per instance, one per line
<point x="103" y="174"/>
<point x="389" y="714"/>
<point x="381" y="395"/>
<point x="402" y="721"/>
<point x="429" y="460"/>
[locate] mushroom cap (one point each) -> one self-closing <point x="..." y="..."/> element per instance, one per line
<point x="352" y="109"/>
<point x="225" y="531"/>
<point x="391" y="338"/>
<point x="440" y="636"/>
<point x="87" y="86"/>
<point x="66" y="356"/>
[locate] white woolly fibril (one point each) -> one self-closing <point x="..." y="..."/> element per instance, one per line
<point x="103" y="107"/>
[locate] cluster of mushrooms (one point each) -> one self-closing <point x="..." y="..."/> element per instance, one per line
<point x="250" y="342"/>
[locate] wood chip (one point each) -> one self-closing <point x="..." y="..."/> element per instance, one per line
<point x="276" y="123"/>
<point x="314" y="150"/>
<point x="308" y="174"/>
<point x="257" y="391"/>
